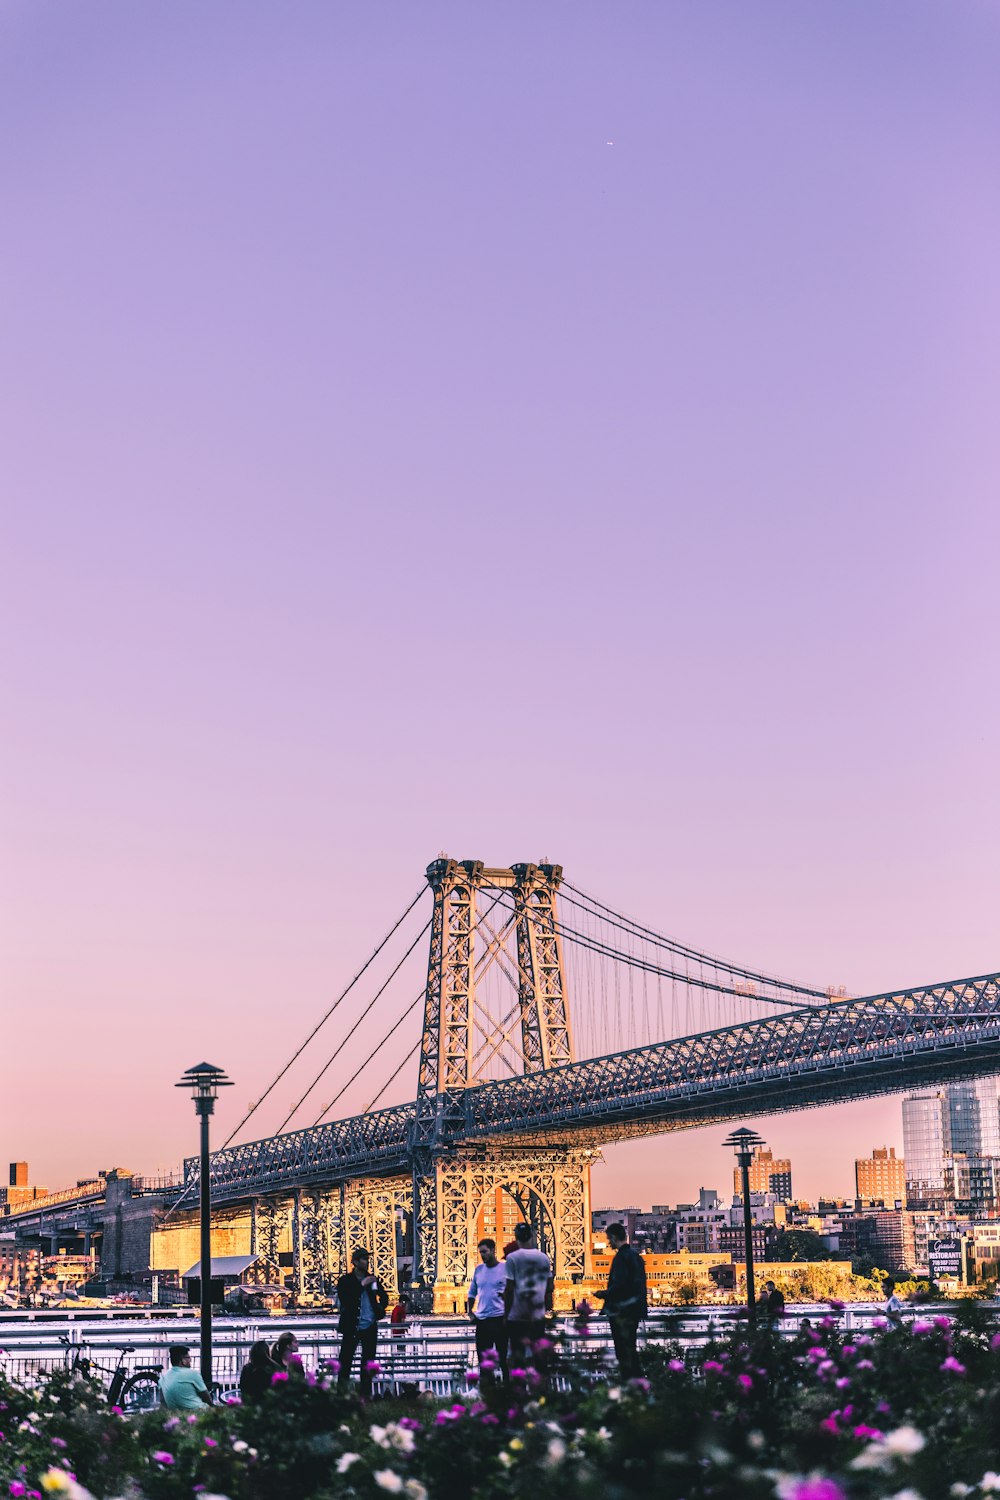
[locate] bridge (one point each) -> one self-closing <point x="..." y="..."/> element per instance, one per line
<point x="507" y="1109"/>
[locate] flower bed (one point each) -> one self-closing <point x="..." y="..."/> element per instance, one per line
<point x="904" y="1413"/>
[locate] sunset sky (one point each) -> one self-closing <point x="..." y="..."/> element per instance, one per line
<point x="522" y="431"/>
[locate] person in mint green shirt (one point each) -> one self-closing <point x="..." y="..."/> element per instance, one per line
<point x="181" y="1388"/>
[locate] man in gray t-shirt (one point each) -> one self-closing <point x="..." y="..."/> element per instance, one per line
<point x="528" y="1294"/>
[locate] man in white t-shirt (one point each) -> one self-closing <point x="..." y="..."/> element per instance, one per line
<point x="486" y="1304"/>
<point x="528" y="1294"/>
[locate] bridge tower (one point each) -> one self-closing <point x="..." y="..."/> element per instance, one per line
<point x="550" y="1185"/>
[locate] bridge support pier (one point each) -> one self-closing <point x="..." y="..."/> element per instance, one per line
<point x="464" y="1198"/>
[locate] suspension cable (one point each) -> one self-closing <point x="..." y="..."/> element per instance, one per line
<point x="628" y="925"/>
<point x="298" y="1053"/>
<point x="346" y="1038"/>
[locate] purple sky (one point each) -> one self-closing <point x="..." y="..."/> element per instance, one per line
<point x="539" y="430"/>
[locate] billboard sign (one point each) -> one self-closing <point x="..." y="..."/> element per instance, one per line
<point x="944" y="1257"/>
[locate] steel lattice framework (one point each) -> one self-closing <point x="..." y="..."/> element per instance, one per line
<point x="879" y="1044"/>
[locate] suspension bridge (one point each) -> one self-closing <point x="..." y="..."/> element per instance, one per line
<point x="517" y="1089"/>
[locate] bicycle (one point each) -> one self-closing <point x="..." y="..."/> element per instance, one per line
<point x="135" y="1391"/>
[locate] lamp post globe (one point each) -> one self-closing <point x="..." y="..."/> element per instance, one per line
<point x="204" y="1081"/>
<point x="744" y="1143"/>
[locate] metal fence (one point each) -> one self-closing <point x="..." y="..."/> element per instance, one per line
<point x="432" y="1355"/>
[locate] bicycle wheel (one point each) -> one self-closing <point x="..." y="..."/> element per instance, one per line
<point x="141" y="1392"/>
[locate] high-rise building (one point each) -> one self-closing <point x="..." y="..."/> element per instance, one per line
<point x="881" y="1178"/>
<point x="927" y="1148"/>
<point x="768" y="1174"/>
<point x="951" y="1144"/>
<point x="974" y="1110"/>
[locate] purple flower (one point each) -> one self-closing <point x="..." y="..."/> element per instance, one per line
<point x="943" y="1323"/>
<point x="373" y="1367"/>
<point x="161" y="1456"/>
<point x="922" y="1325"/>
<point x="489" y="1420"/>
<point x="829" y="1424"/>
<point x="746" y="1381"/>
<point x="866" y="1432"/>
<point x="995" y="1342"/>
<point x="279" y="1377"/>
<point x="836" y="1304"/>
<point x="818" y="1488"/>
<point x="677" y="1365"/>
<point x="848" y="1351"/>
<point x="842" y="1383"/>
<point x="211" y="1443"/>
<point x="541" y="1346"/>
<point x="16" y="1488"/>
<point x="953" y="1366"/>
<point x="643" y="1386"/>
<point x="710" y="1367"/>
<point x="58" y="1443"/>
<point x="817" y="1353"/>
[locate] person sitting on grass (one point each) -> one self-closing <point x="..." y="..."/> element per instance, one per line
<point x="181" y="1388"/>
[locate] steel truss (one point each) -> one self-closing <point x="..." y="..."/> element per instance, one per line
<point x="848" y="1049"/>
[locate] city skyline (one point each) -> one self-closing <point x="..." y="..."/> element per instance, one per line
<point x="492" y="433"/>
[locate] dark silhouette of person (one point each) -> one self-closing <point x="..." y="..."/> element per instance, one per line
<point x="255" y="1377"/>
<point x="625" y="1299"/>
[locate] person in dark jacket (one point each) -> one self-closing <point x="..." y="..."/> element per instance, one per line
<point x="363" y="1301"/>
<point x="255" y="1377"/>
<point x="625" y="1299"/>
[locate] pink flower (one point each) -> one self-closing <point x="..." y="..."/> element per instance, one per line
<point x="922" y="1325"/>
<point x="489" y="1420"/>
<point x="373" y="1367"/>
<point x="953" y="1366"/>
<point x="710" y="1367"/>
<point x="864" y="1364"/>
<point x="677" y="1365"/>
<point x="842" y="1383"/>
<point x="279" y="1376"/>
<point x="829" y="1424"/>
<point x="818" y="1488"/>
<point x="162" y="1457"/>
<point x="746" y="1381"/>
<point x="836" y="1304"/>
<point x="16" y="1488"/>
<point x="211" y="1443"/>
<point x="863" y="1431"/>
<point x="995" y="1342"/>
<point x="643" y="1386"/>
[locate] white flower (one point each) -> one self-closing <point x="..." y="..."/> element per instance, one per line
<point x="394" y="1436"/>
<point x="345" y="1460"/>
<point x="990" y="1481"/>
<point x="555" y="1452"/>
<point x="415" y="1489"/>
<point x="388" y="1479"/>
<point x="603" y="1435"/>
<point x="614" y="1394"/>
<point x="239" y="1446"/>
<point x="505" y="1459"/>
<point x="960" y="1490"/>
<point x="904" y="1442"/>
<point x="907" y="1495"/>
<point x="756" y="1441"/>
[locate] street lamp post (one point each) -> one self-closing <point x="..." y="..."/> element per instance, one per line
<point x="205" y="1081"/>
<point x="744" y="1142"/>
